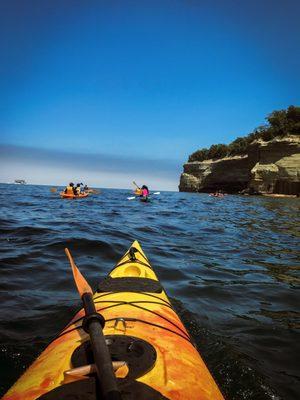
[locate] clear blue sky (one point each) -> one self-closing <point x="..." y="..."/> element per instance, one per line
<point x="140" y="80"/>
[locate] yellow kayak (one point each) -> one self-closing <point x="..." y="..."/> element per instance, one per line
<point x="64" y="195"/>
<point x="152" y="353"/>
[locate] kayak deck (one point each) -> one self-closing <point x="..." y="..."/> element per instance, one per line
<point x="140" y="323"/>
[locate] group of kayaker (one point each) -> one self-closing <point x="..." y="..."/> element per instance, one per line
<point x="79" y="191"/>
<point x="71" y="189"/>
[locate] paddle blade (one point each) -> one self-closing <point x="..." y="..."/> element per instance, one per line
<point x="156" y="193"/>
<point x="81" y="283"/>
<point x="131" y="198"/>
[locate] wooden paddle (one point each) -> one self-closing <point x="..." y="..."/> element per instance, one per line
<point x="93" y="324"/>
<point x="136" y="185"/>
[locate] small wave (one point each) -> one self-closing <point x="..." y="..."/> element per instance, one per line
<point x="84" y="246"/>
<point x="25" y="231"/>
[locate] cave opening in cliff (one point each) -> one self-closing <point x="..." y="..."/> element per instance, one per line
<point x="284" y="187"/>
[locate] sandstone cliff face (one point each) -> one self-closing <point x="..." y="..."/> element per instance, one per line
<point x="269" y="167"/>
<point x="229" y="174"/>
<point x="277" y="169"/>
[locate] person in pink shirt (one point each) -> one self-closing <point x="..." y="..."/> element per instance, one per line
<point x="145" y="191"/>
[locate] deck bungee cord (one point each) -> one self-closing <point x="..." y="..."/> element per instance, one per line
<point x="133" y="304"/>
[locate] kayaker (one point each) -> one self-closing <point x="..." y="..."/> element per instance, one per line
<point x="70" y="189"/>
<point x="78" y="189"/>
<point x="144" y="191"/>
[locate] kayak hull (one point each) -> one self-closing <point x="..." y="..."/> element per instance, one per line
<point x="135" y="307"/>
<point x="73" y="196"/>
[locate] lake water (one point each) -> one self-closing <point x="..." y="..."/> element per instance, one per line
<point x="229" y="265"/>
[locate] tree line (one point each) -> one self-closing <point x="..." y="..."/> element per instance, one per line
<point x="279" y="124"/>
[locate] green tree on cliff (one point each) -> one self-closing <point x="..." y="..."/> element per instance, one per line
<point x="280" y="123"/>
<point x="199" y="155"/>
<point x="217" y="151"/>
<point x="293" y="116"/>
<point x="238" y="146"/>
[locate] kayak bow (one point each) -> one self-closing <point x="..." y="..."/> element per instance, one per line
<point x="152" y="352"/>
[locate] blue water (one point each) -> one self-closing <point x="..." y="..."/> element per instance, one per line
<point x="229" y="264"/>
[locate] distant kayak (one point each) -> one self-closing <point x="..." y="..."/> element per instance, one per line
<point x="216" y="195"/>
<point x="145" y="199"/>
<point x="64" y="195"/>
<point x="141" y="198"/>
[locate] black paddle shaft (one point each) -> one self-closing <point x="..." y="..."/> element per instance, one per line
<point x="100" y="350"/>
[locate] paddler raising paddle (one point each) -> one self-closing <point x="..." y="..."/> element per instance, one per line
<point x="139" y="190"/>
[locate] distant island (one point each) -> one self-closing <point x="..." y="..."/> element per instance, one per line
<point x="20" y="181"/>
<point x="267" y="161"/>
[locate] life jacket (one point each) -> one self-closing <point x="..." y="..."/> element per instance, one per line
<point x="77" y="190"/>
<point x="145" y="192"/>
<point x="69" y="190"/>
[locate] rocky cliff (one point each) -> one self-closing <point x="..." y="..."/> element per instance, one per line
<point x="269" y="167"/>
